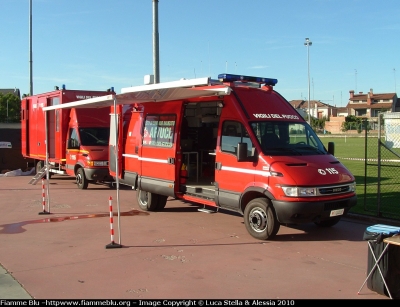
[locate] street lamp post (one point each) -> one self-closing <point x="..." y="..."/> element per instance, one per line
<point x="308" y="43"/>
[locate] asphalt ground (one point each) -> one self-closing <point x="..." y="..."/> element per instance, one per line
<point x="58" y="242"/>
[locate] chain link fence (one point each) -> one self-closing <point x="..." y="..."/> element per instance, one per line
<point x="382" y="167"/>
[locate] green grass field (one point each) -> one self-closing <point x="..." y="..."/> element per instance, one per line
<point x="351" y="152"/>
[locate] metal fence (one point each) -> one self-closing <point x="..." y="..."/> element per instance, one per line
<point x="382" y="167"/>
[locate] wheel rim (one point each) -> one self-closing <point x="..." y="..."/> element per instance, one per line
<point x="143" y="197"/>
<point x="258" y="220"/>
<point x="79" y="179"/>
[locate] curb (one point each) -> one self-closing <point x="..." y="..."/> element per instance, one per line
<point x="10" y="288"/>
<point x="373" y="219"/>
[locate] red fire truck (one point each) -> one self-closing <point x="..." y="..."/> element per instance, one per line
<point x="77" y="139"/>
<point x="232" y="143"/>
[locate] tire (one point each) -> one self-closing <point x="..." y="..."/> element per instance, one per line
<point x="81" y="180"/>
<point x="260" y="219"/>
<point x="162" y="201"/>
<point x="328" y="223"/>
<point x="147" y="201"/>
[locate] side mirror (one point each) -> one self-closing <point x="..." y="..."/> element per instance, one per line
<point x="242" y="153"/>
<point x="331" y="148"/>
<point x="72" y="144"/>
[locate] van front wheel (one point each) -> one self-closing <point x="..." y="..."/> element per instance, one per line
<point x="147" y="201"/>
<point x="81" y="179"/>
<point x="260" y="219"/>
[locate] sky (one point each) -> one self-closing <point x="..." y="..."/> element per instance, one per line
<point x="99" y="44"/>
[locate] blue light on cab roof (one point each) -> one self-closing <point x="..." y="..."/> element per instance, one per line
<point x="233" y="78"/>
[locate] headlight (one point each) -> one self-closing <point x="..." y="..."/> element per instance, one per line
<point x="100" y="163"/>
<point x="299" y="192"/>
<point x="319" y="191"/>
<point x="97" y="163"/>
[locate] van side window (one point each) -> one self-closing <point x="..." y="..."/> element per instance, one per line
<point x="159" y="130"/>
<point x="73" y="140"/>
<point x="233" y="133"/>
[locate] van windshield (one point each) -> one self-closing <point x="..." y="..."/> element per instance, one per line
<point x="97" y="136"/>
<point x="277" y="138"/>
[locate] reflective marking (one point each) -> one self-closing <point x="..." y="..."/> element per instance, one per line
<point x="130" y="156"/>
<point x="153" y="160"/>
<point x="224" y="168"/>
<point x="164" y="161"/>
<point x="246" y="171"/>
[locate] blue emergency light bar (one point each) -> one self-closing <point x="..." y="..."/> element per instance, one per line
<point x="233" y="78"/>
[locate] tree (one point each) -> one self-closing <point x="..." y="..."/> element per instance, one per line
<point x="318" y="124"/>
<point x="352" y="123"/>
<point x="10" y="108"/>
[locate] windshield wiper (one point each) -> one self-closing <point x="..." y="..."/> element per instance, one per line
<point x="283" y="149"/>
<point x="310" y="148"/>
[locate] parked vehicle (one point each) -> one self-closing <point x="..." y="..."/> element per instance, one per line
<point x="245" y="149"/>
<point x="77" y="139"/>
<point x="232" y="143"/>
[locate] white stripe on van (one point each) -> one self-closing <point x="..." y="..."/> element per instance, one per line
<point x="246" y="171"/>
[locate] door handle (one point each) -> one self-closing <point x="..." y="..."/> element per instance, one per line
<point x="171" y="160"/>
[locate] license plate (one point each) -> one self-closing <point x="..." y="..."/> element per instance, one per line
<point x="337" y="212"/>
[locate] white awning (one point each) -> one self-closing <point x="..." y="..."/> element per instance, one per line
<point x="159" y="92"/>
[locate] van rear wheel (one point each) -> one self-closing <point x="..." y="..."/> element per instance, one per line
<point x="260" y="219"/>
<point x="162" y="201"/>
<point x="147" y="201"/>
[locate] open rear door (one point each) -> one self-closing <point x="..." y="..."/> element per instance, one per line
<point x="114" y="152"/>
<point x="158" y="153"/>
<point x="25" y="127"/>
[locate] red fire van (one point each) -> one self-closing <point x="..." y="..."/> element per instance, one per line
<point x="77" y="139"/>
<point x="232" y="143"/>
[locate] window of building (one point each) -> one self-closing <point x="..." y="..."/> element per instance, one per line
<point x="361" y="112"/>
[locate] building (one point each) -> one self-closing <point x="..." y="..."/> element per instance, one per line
<point x="369" y="105"/>
<point x="318" y="109"/>
<point x="14" y="91"/>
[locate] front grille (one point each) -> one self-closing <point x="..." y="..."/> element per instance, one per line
<point x="333" y="190"/>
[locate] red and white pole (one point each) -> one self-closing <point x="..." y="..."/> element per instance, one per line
<point x="43" y="196"/>
<point x="111" y="221"/>
<point x="43" y="199"/>
<point x="112" y="244"/>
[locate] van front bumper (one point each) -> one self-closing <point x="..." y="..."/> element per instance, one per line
<point x="98" y="174"/>
<point x="306" y="212"/>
